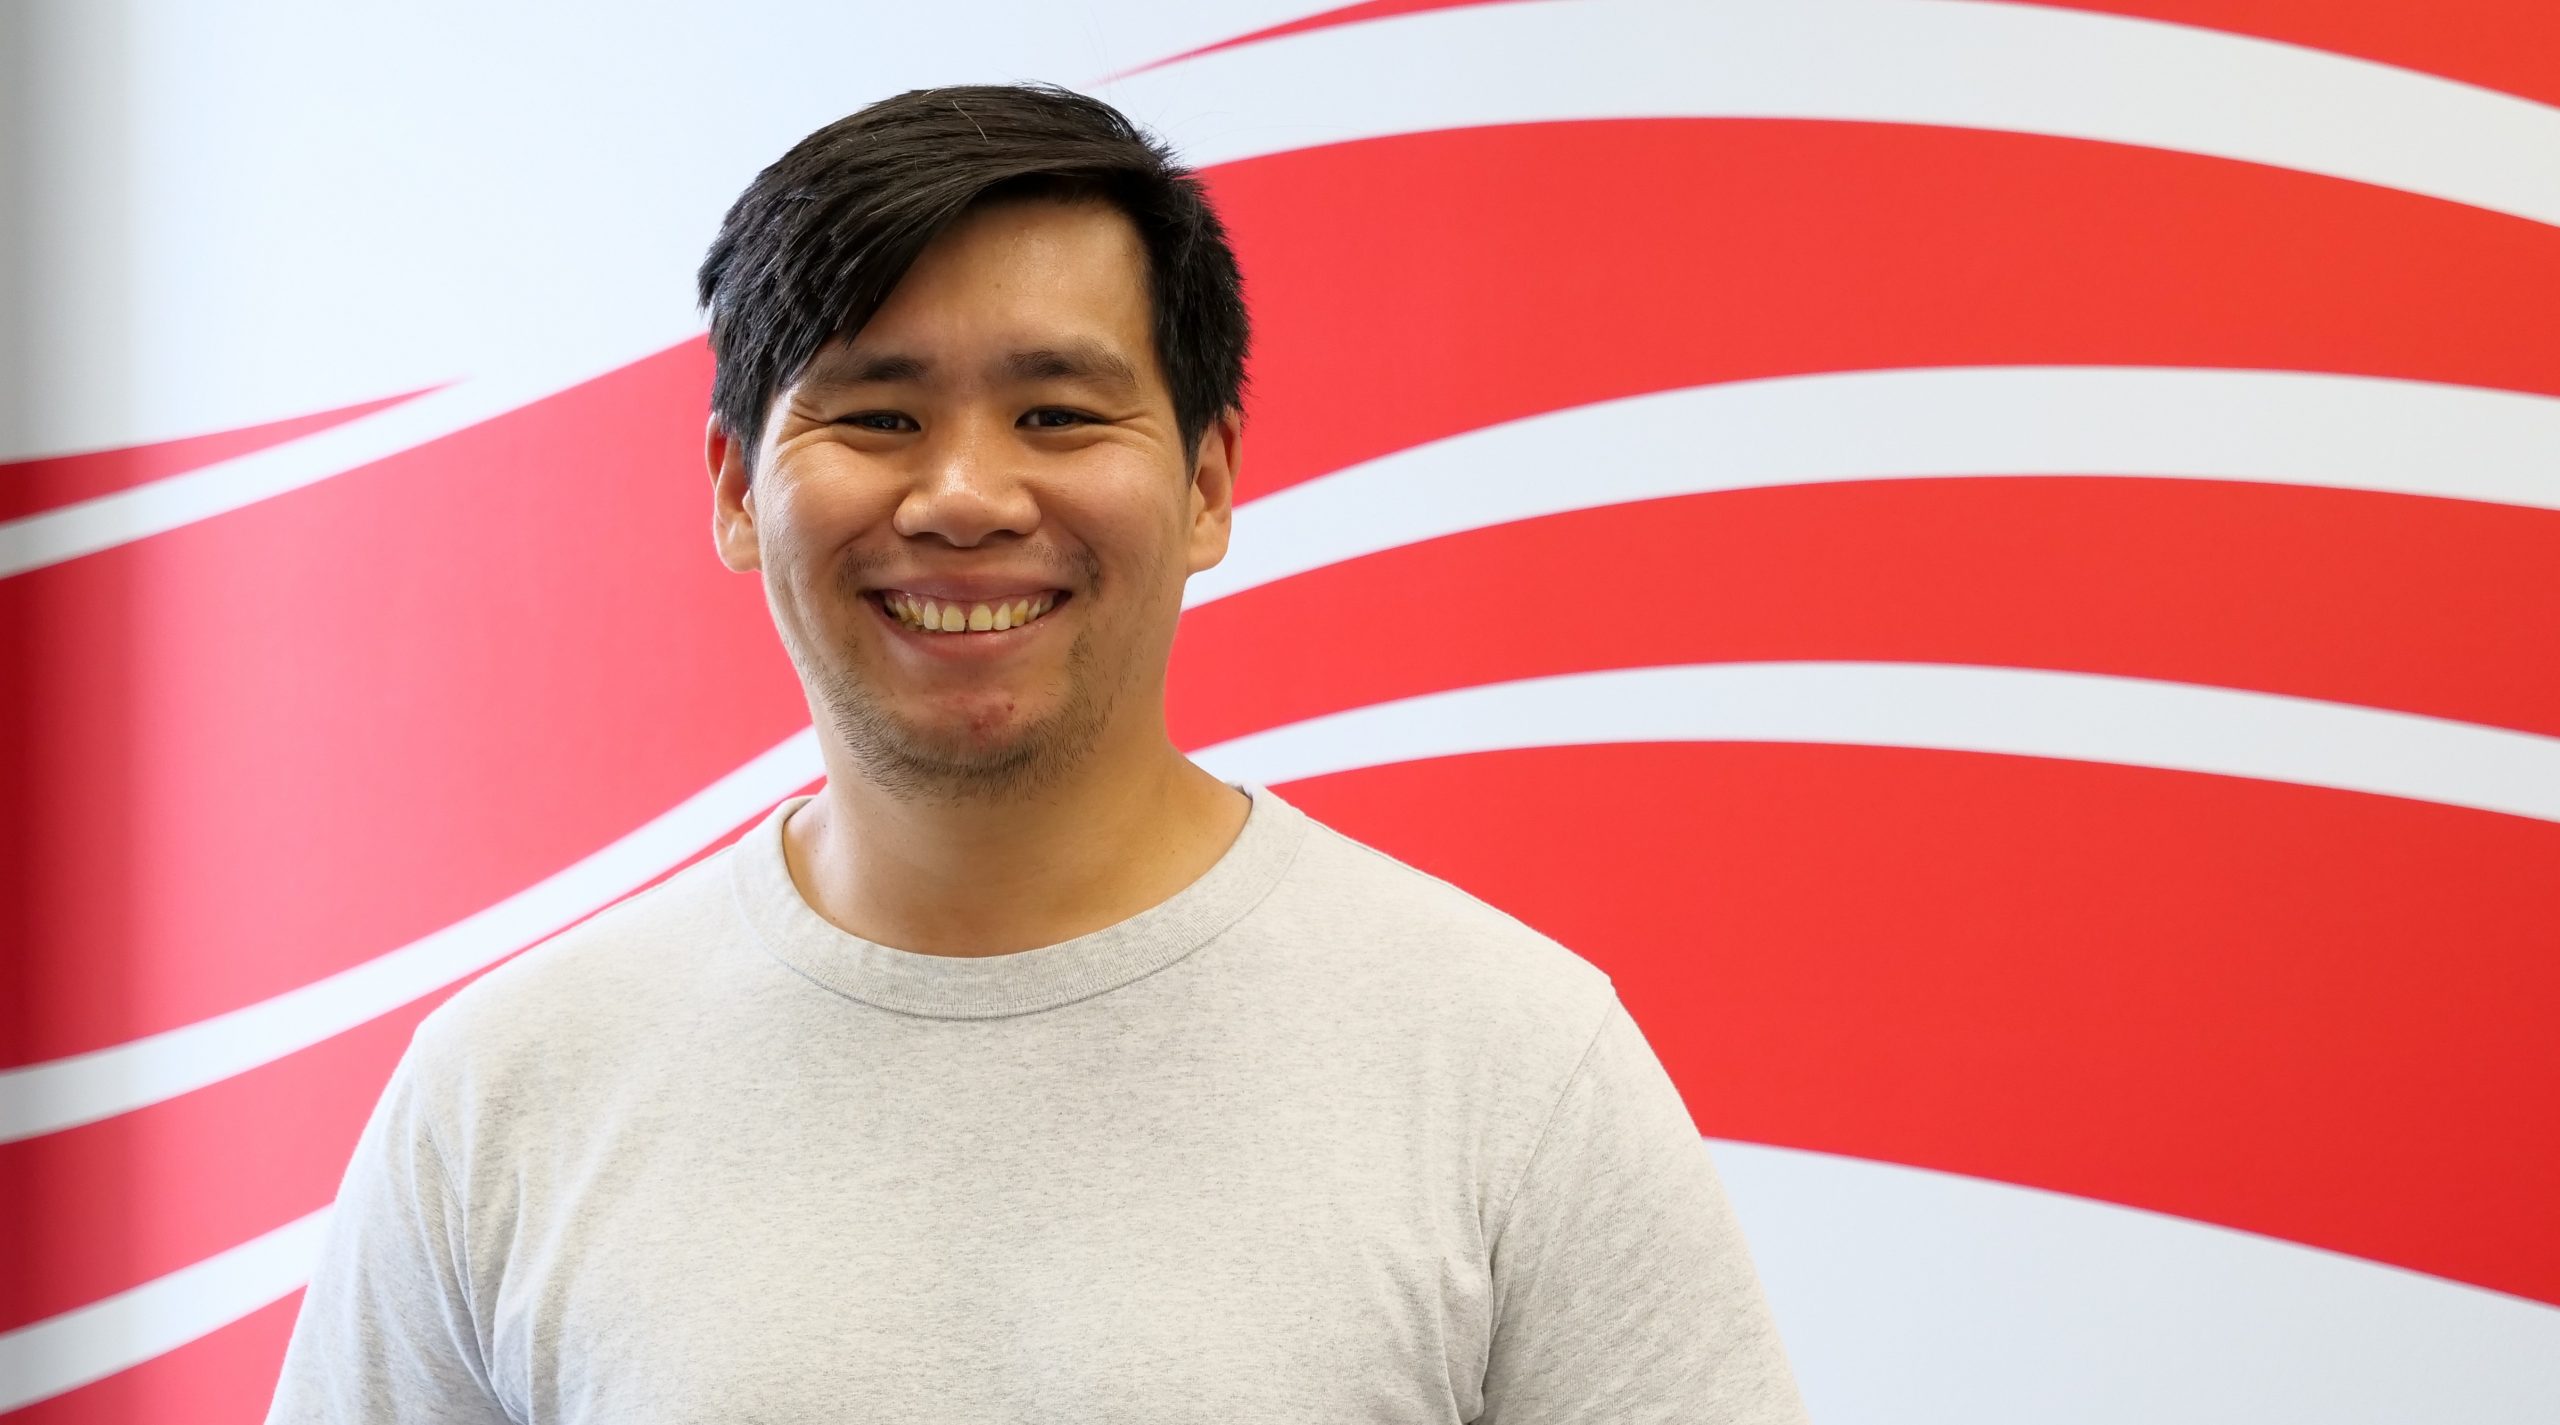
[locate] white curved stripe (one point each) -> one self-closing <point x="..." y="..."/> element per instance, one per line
<point x="2019" y="712"/>
<point x="67" y="1092"/>
<point x="2286" y="427"/>
<point x="1909" y="1297"/>
<point x="1905" y="1297"/>
<point x="2013" y="68"/>
<point x="56" y="535"/>
<point x="68" y="1351"/>
<point x="2275" y="427"/>
<point x="2344" y="432"/>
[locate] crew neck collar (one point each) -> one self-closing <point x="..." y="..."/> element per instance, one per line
<point x="1027" y="981"/>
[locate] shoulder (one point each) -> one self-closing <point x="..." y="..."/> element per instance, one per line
<point x="1437" y="925"/>
<point x="1473" y="1016"/>
<point x="571" y="999"/>
<point x="1399" y="936"/>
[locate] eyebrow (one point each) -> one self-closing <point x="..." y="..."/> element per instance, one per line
<point x="1079" y="361"/>
<point x="1076" y="361"/>
<point x="870" y="369"/>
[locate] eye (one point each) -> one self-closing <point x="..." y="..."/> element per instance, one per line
<point x="1055" y="418"/>
<point x="877" y="420"/>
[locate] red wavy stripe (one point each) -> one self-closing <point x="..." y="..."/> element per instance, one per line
<point x="1413" y="288"/>
<point x="2238" y="585"/>
<point x="2309" y="1014"/>
<point x="29" y="486"/>
<point x="2441" y="607"/>
<point x="262" y="1149"/>
<point x="303" y="734"/>
<point x="637" y="670"/>
<point x="226" y="1378"/>
<point x="240" y="1157"/>
<point x="133" y="1198"/>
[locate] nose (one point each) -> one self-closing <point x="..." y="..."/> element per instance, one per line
<point x="966" y="486"/>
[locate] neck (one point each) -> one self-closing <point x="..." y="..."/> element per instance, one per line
<point x="1122" y="831"/>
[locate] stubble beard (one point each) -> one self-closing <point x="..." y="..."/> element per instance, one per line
<point x="926" y="765"/>
<point x="935" y="765"/>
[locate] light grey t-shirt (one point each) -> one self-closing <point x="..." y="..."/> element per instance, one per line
<point x="1320" y="1139"/>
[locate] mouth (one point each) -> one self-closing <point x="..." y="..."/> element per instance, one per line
<point x="956" y="618"/>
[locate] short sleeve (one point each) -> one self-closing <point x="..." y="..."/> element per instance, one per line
<point x="1622" y="1289"/>
<point x="385" y="1334"/>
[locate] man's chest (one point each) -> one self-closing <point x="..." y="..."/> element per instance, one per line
<point x="1137" y="1280"/>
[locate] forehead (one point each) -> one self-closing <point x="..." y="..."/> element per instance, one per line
<point x="1020" y="274"/>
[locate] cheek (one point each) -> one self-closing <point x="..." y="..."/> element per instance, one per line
<point x="788" y="559"/>
<point x="1131" y="526"/>
<point x="804" y="506"/>
<point x="813" y="518"/>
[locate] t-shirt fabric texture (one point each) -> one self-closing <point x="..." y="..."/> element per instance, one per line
<point x="1319" y="1139"/>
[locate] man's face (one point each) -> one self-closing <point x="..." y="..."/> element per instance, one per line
<point x="993" y="453"/>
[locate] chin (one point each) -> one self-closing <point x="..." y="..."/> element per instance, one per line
<point x="976" y="746"/>
<point x="990" y="747"/>
<point x="948" y="769"/>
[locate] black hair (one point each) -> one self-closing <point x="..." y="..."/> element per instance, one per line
<point x="815" y="244"/>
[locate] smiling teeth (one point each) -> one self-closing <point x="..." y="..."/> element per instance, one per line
<point x="929" y="616"/>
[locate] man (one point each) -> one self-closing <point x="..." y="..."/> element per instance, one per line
<point x="1027" y="1071"/>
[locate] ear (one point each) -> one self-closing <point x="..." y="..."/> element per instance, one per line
<point x="1213" y="489"/>
<point x="733" y="504"/>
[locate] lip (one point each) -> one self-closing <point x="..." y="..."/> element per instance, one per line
<point x="966" y="590"/>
